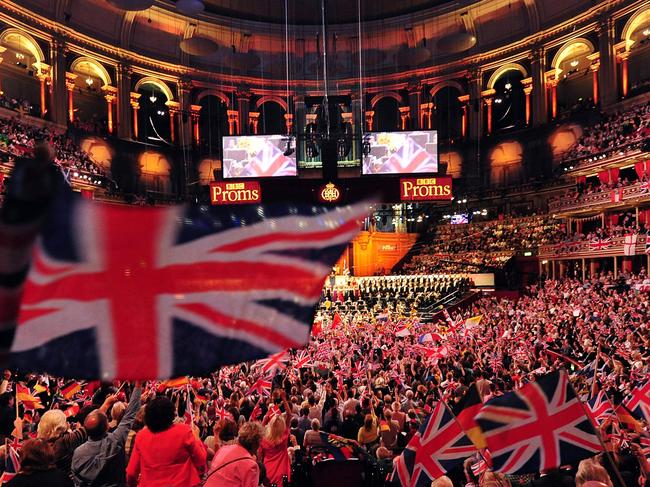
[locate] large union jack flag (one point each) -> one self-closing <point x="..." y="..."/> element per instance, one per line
<point x="639" y="403"/>
<point x="599" y="408"/>
<point x="138" y="293"/>
<point x="538" y="427"/>
<point x="439" y="446"/>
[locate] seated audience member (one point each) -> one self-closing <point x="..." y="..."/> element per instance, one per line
<point x="591" y="471"/>
<point x="165" y="453"/>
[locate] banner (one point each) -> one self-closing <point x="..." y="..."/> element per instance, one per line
<point x="222" y="193"/>
<point x="425" y="189"/>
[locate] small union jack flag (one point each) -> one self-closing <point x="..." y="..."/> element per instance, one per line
<point x="272" y="363"/>
<point x="639" y="403"/>
<point x="599" y="408"/>
<point x="600" y="244"/>
<point x="439" y="446"/>
<point x="143" y="293"/>
<point x="302" y="360"/>
<point x="262" y="386"/>
<point x="538" y="427"/>
<point x="12" y="466"/>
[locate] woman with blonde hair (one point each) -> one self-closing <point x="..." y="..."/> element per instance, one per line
<point x="273" y="450"/>
<point x="590" y="470"/>
<point x="55" y="431"/>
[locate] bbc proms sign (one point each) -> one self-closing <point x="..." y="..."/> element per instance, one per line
<point x="235" y="193"/>
<point x="425" y="189"/>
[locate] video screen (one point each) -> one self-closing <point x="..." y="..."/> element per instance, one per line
<point x="402" y="152"/>
<point x="459" y="218"/>
<point x="257" y="156"/>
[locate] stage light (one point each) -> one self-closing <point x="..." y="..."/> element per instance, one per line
<point x="574" y="63"/>
<point x="89" y="81"/>
<point x="20" y="55"/>
<point x="153" y="98"/>
<point x="508" y="86"/>
<point x="646" y="32"/>
<point x="498" y="100"/>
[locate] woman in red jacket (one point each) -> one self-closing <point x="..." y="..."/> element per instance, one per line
<point x="273" y="450"/>
<point x="165" y="454"/>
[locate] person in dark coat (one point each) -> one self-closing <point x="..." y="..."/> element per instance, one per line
<point x="37" y="468"/>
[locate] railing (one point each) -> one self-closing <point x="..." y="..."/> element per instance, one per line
<point x="610" y="197"/>
<point x="610" y="157"/>
<point x="595" y="248"/>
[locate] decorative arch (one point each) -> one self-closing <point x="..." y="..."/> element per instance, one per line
<point x="567" y="50"/>
<point x="385" y="94"/>
<point x="280" y="101"/>
<point x="212" y="92"/>
<point x="639" y="18"/>
<point x="30" y="43"/>
<point x="447" y="83"/>
<point x="501" y="70"/>
<point x="97" y="67"/>
<point x="149" y="80"/>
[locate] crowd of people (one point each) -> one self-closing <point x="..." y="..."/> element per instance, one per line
<point x="17" y="139"/>
<point x="362" y="385"/>
<point x="17" y="104"/>
<point x="475" y="246"/>
<point x="615" y="132"/>
<point x="409" y="293"/>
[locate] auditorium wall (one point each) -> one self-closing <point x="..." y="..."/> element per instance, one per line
<point x="377" y="252"/>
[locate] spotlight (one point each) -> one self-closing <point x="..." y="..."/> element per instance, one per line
<point x="153" y="98"/>
<point x="89" y="81"/>
<point x="574" y="63"/>
<point x="498" y="100"/>
<point x="508" y="86"/>
<point x="290" y="149"/>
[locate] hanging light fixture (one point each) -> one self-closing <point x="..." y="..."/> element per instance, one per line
<point x="153" y="98"/>
<point x="574" y="63"/>
<point x="89" y="81"/>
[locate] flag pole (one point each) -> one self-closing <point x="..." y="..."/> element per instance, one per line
<point x="619" y="477"/>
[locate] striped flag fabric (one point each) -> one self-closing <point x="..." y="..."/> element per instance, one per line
<point x="12" y="465"/>
<point x="538" y="427"/>
<point x="639" y="402"/>
<point x="599" y="408"/>
<point x="153" y="293"/>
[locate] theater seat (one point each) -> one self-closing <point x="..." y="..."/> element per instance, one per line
<point x="328" y="473"/>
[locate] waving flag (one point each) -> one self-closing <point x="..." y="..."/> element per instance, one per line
<point x="262" y="386"/>
<point x="629" y="244"/>
<point x="274" y="362"/>
<point x="538" y="427"/>
<point x="599" y="408"/>
<point x="303" y="360"/>
<point x="142" y="293"/>
<point x="639" y="403"/>
<point x="600" y="244"/>
<point x="24" y="395"/>
<point x="439" y="446"/>
<point x="12" y="465"/>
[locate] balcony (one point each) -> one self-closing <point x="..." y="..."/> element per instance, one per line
<point x="612" y="247"/>
<point x="627" y="196"/>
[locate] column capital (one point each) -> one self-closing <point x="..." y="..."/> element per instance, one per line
<point x="404" y="110"/>
<point x="185" y="85"/>
<point x="233" y="115"/>
<point x="487" y="95"/>
<point x="195" y="109"/>
<point x="463" y="99"/>
<point x="70" y="80"/>
<point x="173" y="107"/>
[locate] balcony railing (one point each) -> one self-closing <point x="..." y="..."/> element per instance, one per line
<point x="611" y="247"/>
<point x="638" y="192"/>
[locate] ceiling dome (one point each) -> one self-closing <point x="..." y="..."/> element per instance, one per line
<point x="455" y="43"/>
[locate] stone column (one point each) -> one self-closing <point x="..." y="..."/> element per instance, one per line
<point x="184" y="116"/>
<point x="475" y="115"/>
<point x="607" y="71"/>
<point x="415" y="95"/>
<point x="622" y="59"/>
<point x="2" y="49"/>
<point x="43" y="79"/>
<point x="69" y="84"/>
<point x="244" y="107"/>
<point x="254" y="120"/>
<point x="288" y="122"/>
<point x="528" y="89"/>
<point x="125" y="121"/>
<point x="370" y="115"/>
<point x="111" y="98"/>
<point x="58" y="90"/>
<point x="464" y="100"/>
<point x="552" y="87"/>
<point x="404" y="116"/>
<point x="594" y="68"/>
<point x="135" y="106"/>
<point x="174" y="108"/>
<point x="233" y="115"/>
<point x="488" y="98"/>
<point x="196" y="117"/>
<point x="538" y="98"/>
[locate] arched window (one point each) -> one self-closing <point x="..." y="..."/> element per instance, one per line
<point x="387" y="117"/>
<point x="509" y="103"/>
<point x="153" y="115"/>
<point x="447" y="113"/>
<point x="271" y="118"/>
<point x="575" y="80"/>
